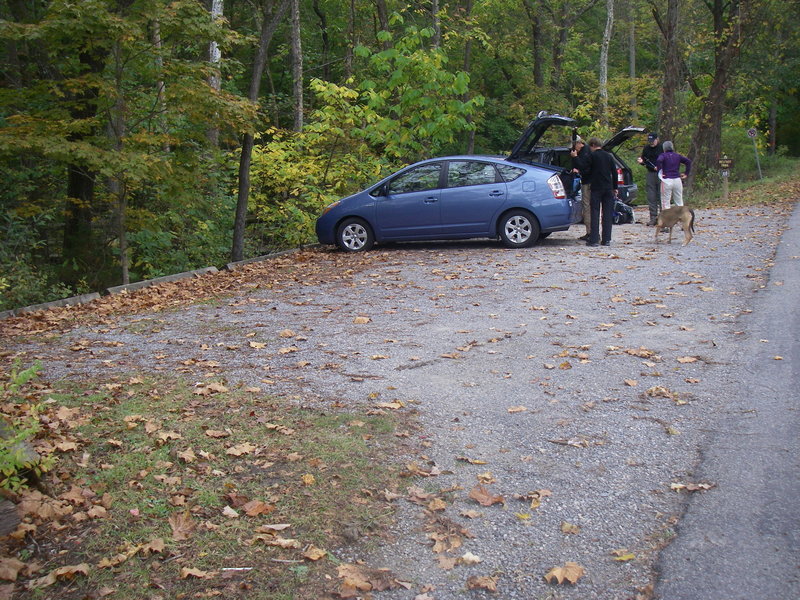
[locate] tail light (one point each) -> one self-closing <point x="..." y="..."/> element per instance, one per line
<point x="557" y="187"/>
<point x="620" y="177"/>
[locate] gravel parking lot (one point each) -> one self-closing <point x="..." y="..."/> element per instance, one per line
<point x="579" y="384"/>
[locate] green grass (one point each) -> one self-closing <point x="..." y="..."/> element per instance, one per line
<point x="146" y="479"/>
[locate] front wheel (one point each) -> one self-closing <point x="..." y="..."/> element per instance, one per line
<point x="354" y="235"/>
<point x="518" y="229"/>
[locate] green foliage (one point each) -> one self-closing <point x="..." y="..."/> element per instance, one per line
<point x="27" y="277"/>
<point x="16" y="461"/>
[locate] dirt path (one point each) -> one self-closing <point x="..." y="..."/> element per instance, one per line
<point x="577" y="383"/>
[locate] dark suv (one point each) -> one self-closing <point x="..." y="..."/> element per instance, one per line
<point x="549" y="138"/>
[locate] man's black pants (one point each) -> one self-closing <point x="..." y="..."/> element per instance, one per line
<point x="602" y="199"/>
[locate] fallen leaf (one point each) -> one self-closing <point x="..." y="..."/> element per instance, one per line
<point x="190" y="573"/>
<point x="10" y="568"/>
<point x="623" y="555"/>
<point x="570" y="572"/>
<point x="482" y="583"/>
<point x="517" y="409"/>
<point x="182" y="525"/>
<point x="240" y="449"/>
<point x="361" y="320"/>
<point x="687" y="359"/>
<point x="569" y="528"/>
<point x="308" y="479"/>
<point x="67" y="573"/>
<point x="230" y="513"/>
<point x="257" y="507"/>
<point x="313" y="553"/>
<point x="469" y="559"/>
<point x="484" y="497"/>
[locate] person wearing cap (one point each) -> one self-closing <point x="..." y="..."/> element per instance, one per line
<point x="669" y="164"/>
<point x="580" y="164"/>
<point x="650" y="154"/>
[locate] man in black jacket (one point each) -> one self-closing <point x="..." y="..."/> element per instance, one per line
<point x="650" y="154"/>
<point x="603" y="177"/>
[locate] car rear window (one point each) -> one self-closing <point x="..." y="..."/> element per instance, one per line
<point x="510" y="173"/>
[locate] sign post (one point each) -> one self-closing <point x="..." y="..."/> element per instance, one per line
<point x="725" y="164"/>
<point x="752" y="133"/>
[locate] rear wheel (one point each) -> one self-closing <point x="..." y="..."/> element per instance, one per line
<point x="354" y="235"/>
<point x="518" y="229"/>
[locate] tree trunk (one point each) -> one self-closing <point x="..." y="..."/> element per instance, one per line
<point x="564" y="15"/>
<point x="604" y="62"/>
<point x="728" y="36"/>
<point x="667" y="121"/>
<point x="351" y="40"/>
<point x="437" y="26"/>
<point x="383" y="20"/>
<point x="467" y="68"/>
<point x="536" y="41"/>
<point x="326" y="43"/>
<point x="270" y="22"/>
<point x="80" y="250"/>
<point x="297" y="66"/>
<point x="116" y="127"/>
<point x="632" y="59"/>
<point x="161" y="86"/>
<point x="215" y="58"/>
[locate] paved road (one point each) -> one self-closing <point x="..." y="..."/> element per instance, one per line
<point x="594" y="378"/>
<point x="741" y="540"/>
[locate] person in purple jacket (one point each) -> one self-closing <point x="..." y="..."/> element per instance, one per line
<point x="668" y="165"/>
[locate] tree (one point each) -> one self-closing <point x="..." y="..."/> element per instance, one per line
<point x="731" y="19"/>
<point x="604" y="62"/>
<point x="270" y="18"/>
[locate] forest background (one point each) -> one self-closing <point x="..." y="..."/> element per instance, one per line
<point x="140" y="138"/>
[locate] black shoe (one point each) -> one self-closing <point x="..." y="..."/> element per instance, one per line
<point x="583" y="238"/>
<point x="605" y="243"/>
<point x="592" y="244"/>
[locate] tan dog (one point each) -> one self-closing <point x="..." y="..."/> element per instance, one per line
<point x="672" y="216"/>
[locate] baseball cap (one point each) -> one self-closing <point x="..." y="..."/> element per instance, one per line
<point x="651" y="136"/>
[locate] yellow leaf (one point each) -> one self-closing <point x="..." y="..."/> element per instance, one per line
<point x="308" y="479"/>
<point x="517" y="409"/>
<point x="570" y="572"/>
<point x="314" y="553"/>
<point x="569" y="528"/>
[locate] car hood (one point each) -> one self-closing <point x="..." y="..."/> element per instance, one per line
<point x="621" y="137"/>
<point x="536" y="129"/>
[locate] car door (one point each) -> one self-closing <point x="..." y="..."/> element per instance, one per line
<point x="473" y="194"/>
<point x="409" y="205"/>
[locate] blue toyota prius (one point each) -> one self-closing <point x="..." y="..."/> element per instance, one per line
<point x="516" y="199"/>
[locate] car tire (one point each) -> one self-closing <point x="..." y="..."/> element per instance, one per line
<point x="518" y="229"/>
<point x="354" y="235"/>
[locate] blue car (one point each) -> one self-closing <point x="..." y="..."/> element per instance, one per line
<point x="514" y="199"/>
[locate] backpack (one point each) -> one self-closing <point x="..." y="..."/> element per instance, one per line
<point x="622" y="213"/>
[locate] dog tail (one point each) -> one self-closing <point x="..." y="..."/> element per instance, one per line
<point x="691" y="223"/>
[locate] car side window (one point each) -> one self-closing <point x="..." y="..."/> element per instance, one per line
<point x="510" y="173"/>
<point x="423" y="178"/>
<point x="461" y="173"/>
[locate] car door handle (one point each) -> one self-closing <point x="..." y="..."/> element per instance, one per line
<point x="495" y="193"/>
<point x="430" y="199"/>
